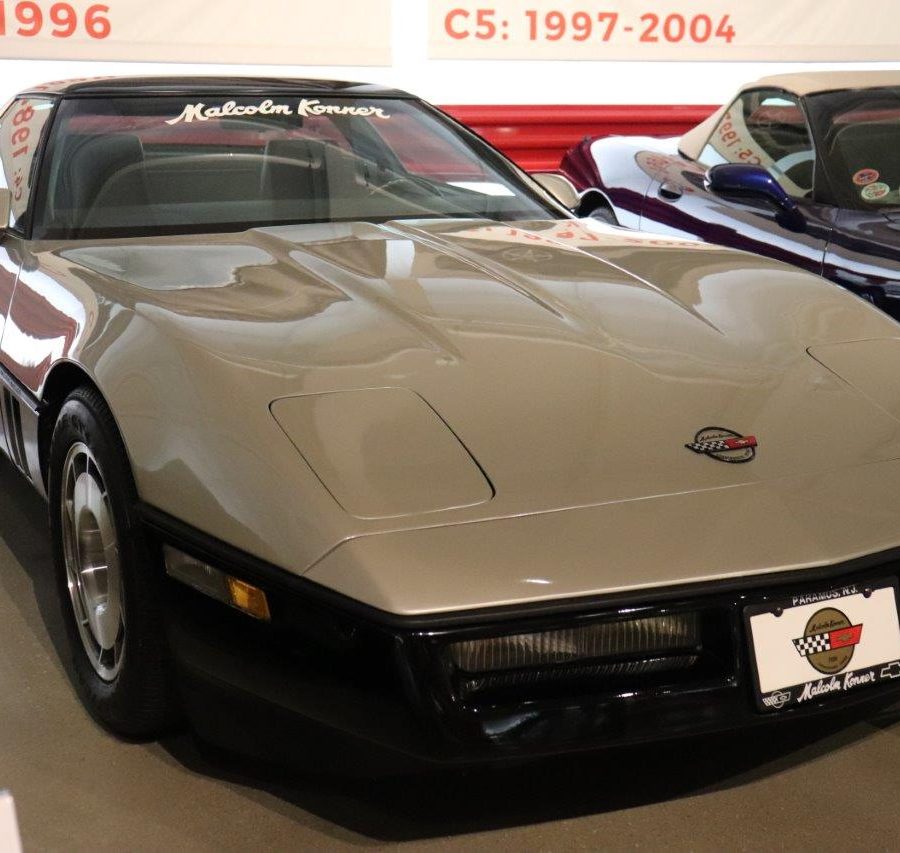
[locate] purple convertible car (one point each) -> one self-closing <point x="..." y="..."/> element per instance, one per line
<point x="804" y="168"/>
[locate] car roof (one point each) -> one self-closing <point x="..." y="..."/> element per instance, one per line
<point x="801" y="84"/>
<point x="237" y="86"/>
<point x="814" y="82"/>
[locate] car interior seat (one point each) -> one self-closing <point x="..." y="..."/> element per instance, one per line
<point x="97" y="172"/>
<point x="294" y="177"/>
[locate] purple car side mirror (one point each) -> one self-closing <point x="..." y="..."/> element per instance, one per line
<point x="741" y="180"/>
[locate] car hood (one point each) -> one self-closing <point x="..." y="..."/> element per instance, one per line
<point x="572" y="362"/>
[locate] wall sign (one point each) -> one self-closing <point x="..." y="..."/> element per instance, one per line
<point x="288" y="32"/>
<point x="764" y="30"/>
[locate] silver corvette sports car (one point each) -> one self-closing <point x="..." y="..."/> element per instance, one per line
<point x="345" y="422"/>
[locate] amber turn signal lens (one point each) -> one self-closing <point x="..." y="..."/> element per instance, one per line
<point x="216" y="584"/>
<point x="248" y="598"/>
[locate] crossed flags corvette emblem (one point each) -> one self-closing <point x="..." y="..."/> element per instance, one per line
<point x="829" y="641"/>
<point x="724" y="445"/>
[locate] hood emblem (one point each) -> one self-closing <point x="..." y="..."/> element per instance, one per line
<point x="724" y="445"/>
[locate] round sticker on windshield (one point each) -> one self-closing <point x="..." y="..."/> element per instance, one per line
<point x="874" y="191"/>
<point x="865" y="176"/>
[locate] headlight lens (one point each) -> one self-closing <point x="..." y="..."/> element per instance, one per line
<point x="631" y="638"/>
<point x="610" y="650"/>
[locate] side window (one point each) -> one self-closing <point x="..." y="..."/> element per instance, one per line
<point x="766" y="128"/>
<point x="21" y="127"/>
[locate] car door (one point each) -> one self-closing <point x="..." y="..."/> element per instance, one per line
<point x="764" y="127"/>
<point x="21" y="131"/>
<point x="864" y="256"/>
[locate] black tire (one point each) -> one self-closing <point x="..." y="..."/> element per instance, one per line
<point x="136" y="698"/>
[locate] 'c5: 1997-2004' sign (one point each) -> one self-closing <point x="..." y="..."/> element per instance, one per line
<point x="290" y="32"/>
<point x="763" y="30"/>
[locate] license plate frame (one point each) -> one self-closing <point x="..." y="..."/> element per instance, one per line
<point x="809" y="647"/>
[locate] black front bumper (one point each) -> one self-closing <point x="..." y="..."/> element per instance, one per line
<point x="330" y="669"/>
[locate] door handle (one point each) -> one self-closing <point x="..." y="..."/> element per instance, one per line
<point x="670" y="190"/>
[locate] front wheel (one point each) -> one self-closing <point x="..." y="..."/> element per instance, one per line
<point x="108" y="585"/>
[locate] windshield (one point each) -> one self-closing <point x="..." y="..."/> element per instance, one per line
<point x="859" y="142"/>
<point x="162" y="165"/>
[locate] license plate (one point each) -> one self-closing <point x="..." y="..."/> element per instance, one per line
<point x="807" y="648"/>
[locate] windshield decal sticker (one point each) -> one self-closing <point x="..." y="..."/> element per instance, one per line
<point x="865" y="176"/>
<point x="315" y="108"/>
<point x="306" y="107"/>
<point x="872" y="192"/>
<point x="200" y="112"/>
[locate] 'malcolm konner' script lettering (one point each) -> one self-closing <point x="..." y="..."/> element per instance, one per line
<point x="316" y="108"/>
<point x="306" y="107"/>
<point x="815" y="689"/>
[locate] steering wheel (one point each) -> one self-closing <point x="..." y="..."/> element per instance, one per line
<point x="795" y="159"/>
<point x="386" y="186"/>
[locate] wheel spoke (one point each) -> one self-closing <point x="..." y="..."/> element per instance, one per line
<point x="91" y="552"/>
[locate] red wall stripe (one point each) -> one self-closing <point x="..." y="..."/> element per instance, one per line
<point x="536" y="137"/>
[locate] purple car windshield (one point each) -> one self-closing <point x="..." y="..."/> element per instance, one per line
<point x="154" y="165"/>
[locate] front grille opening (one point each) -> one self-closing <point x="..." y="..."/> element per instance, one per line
<point x="607" y="656"/>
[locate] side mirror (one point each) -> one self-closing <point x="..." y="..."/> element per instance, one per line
<point x="741" y="180"/>
<point x="5" y="203"/>
<point x="560" y="187"/>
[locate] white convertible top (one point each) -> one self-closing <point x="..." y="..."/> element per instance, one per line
<point x="800" y="84"/>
